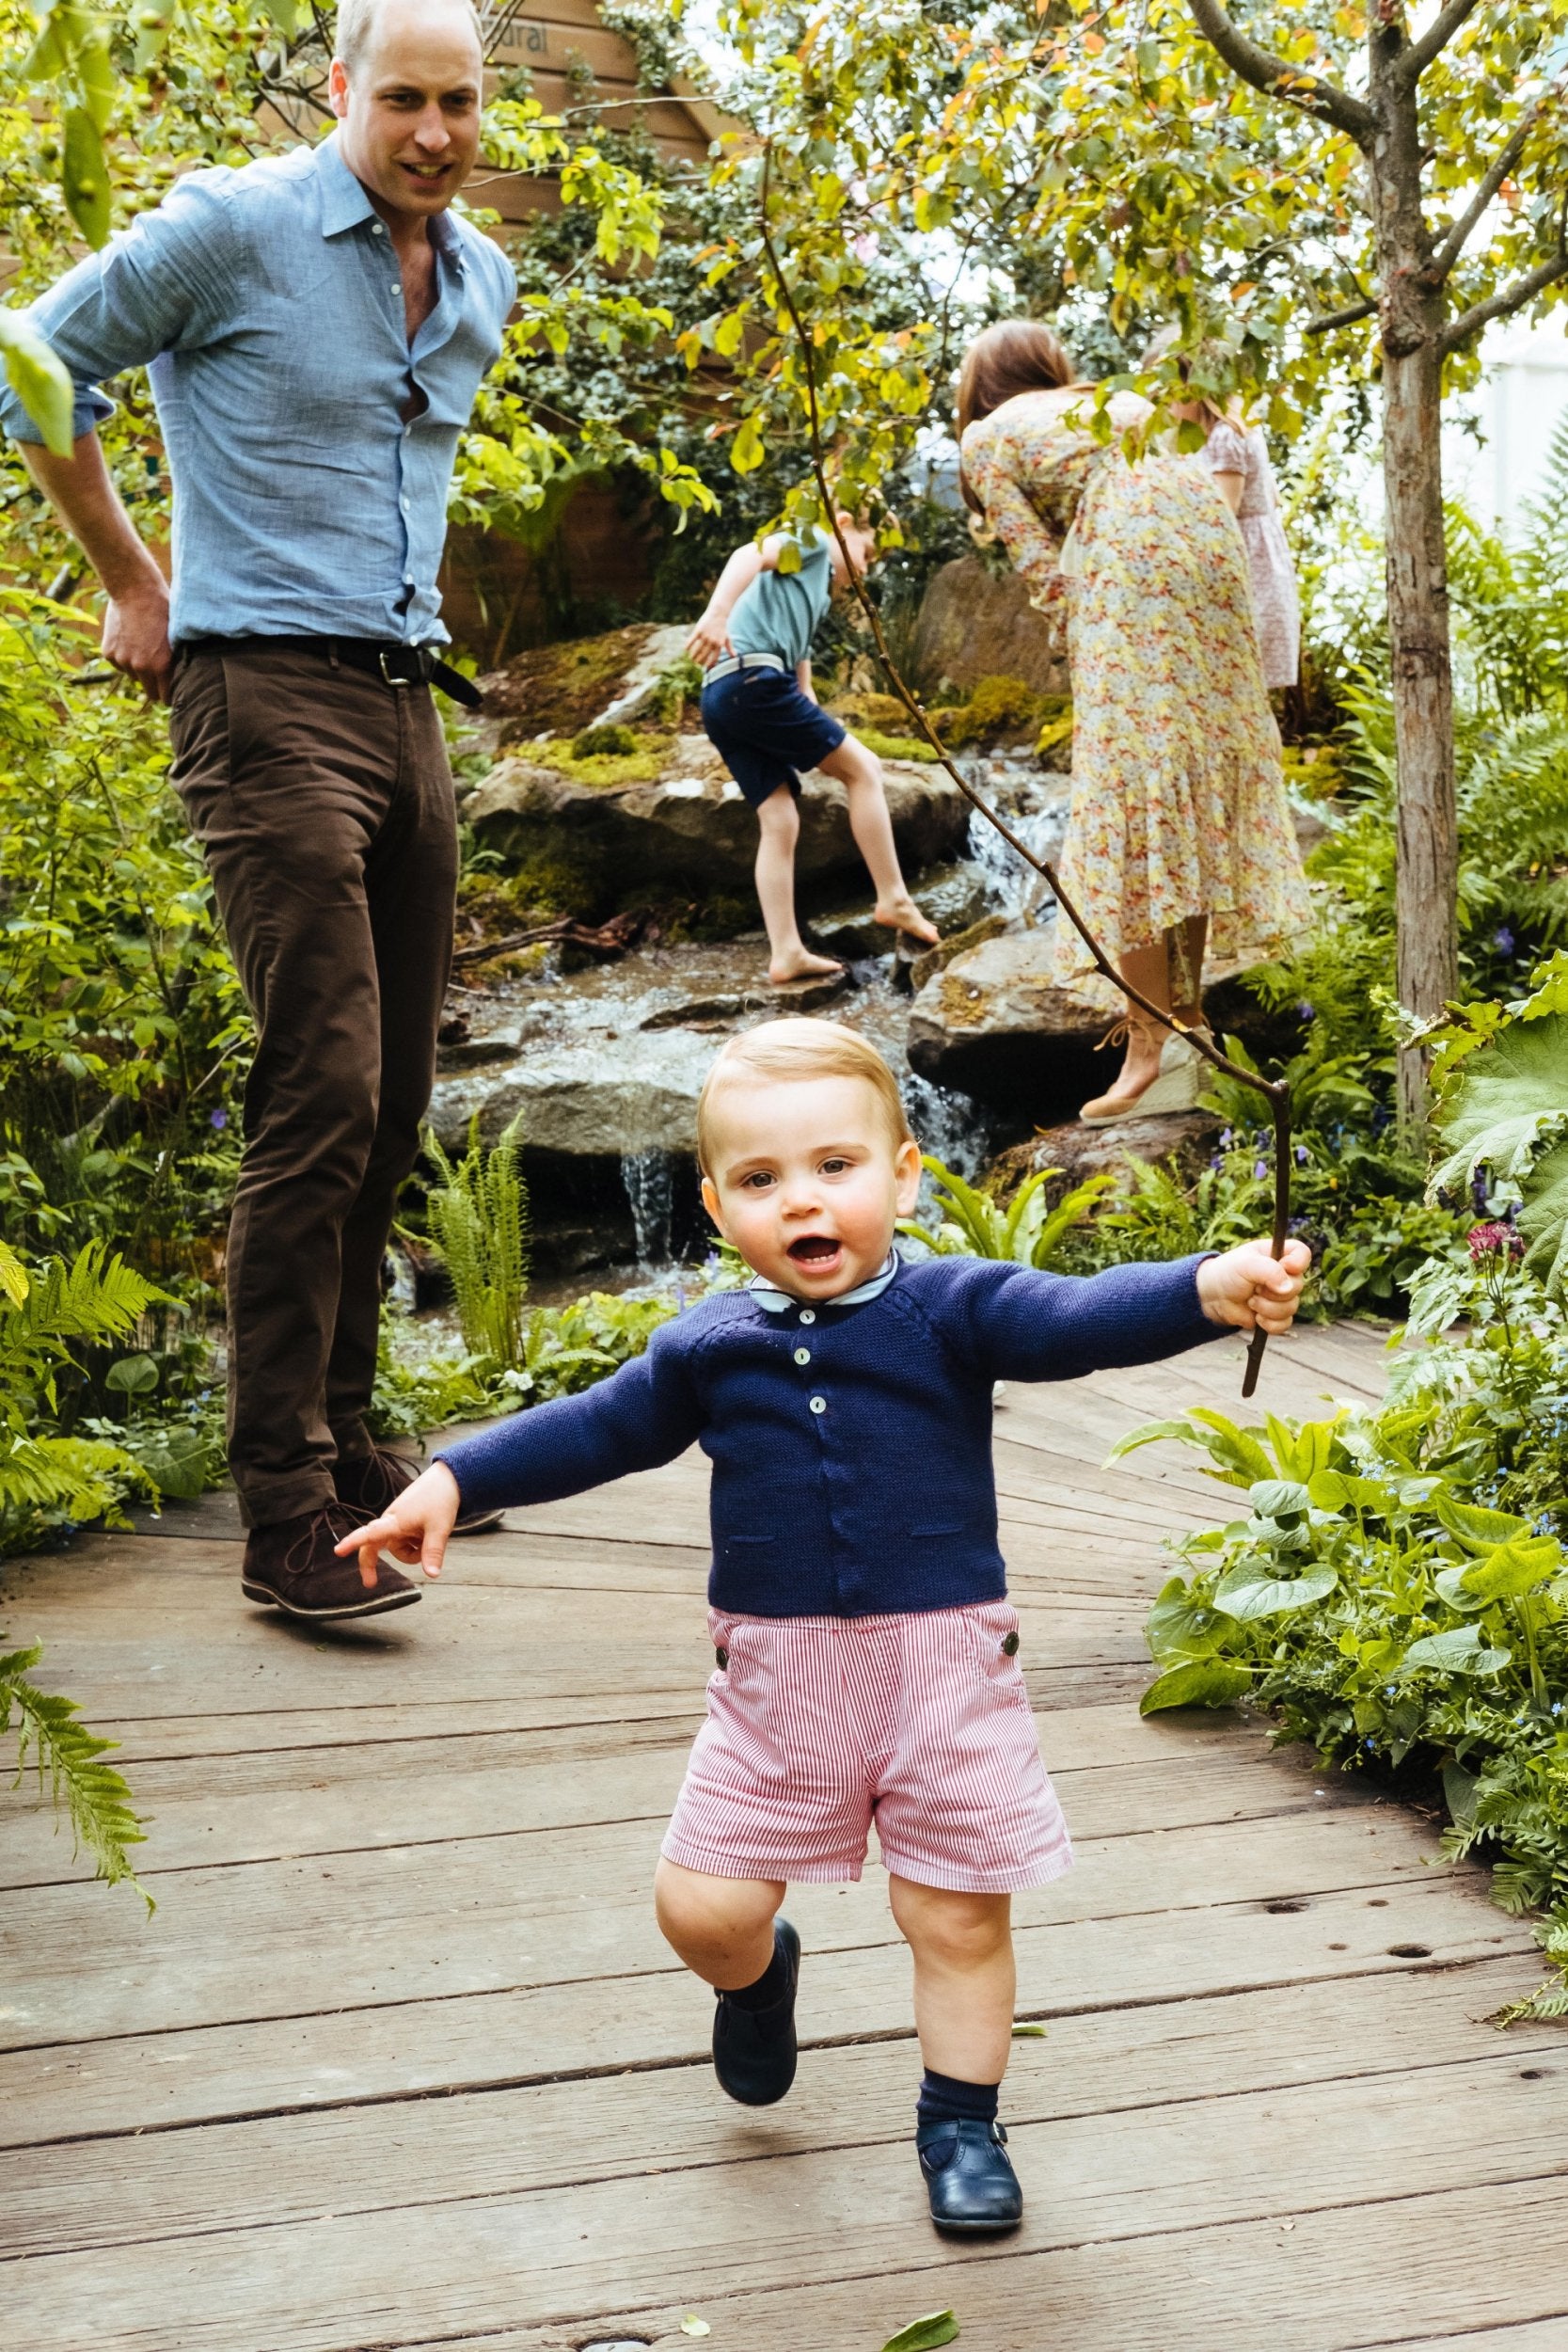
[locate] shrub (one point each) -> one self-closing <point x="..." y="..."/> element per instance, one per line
<point x="479" y="1223"/>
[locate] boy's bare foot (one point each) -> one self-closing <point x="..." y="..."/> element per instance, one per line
<point x="902" y="915"/>
<point x="804" y="966"/>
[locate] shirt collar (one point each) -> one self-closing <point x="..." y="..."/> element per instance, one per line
<point x="346" y="205"/>
<point x="778" y="1302"/>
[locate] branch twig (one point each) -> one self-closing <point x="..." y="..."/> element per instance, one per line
<point x="1508" y="155"/>
<point x="1277" y="1090"/>
<point x="1412" y="62"/>
<point x="1331" y="319"/>
<point x="1275" y="78"/>
<point x="1507" y="299"/>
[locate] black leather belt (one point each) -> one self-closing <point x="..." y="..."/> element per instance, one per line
<point x="394" y="664"/>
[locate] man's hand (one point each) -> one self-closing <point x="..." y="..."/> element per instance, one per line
<point x="1248" y="1288"/>
<point x="415" y="1528"/>
<point x="710" y="640"/>
<point x="135" y="636"/>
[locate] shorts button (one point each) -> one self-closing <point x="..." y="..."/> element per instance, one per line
<point x="802" y="1355"/>
<point x="819" y="1404"/>
<point x="723" y="1657"/>
<point x="808" y="1314"/>
<point x="1009" y="1645"/>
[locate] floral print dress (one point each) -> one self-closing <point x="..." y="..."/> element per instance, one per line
<point x="1179" y="804"/>
<point x="1275" y="605"/>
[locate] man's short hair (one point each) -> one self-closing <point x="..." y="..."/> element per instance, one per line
<point x="786" y="1050"/>
<point x="357" y="27"/>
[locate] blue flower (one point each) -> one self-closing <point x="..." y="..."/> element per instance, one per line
<point x="1260" y="1169"/>
<point x="1308" y="1011"/>
<point x="1303" y="1156"/>
<point x="1226" y="1136"/>
<point x="220" y="1119"/>
<point x="1502" y="939"/>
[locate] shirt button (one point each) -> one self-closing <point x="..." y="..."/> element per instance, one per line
<point x="378" y="230"/>
<point x="808" y="1314"/>
<point x="802" y="1355"/>
<point x="819" y="1404"/>
<point x="403" y="504"/>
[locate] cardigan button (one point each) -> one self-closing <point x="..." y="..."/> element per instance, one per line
<point x="819" y="1404"/>
<point x="802" y="1355"/>
<point x="808" y="1314"/>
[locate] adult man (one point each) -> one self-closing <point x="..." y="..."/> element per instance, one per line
<point x="317" y="325"/>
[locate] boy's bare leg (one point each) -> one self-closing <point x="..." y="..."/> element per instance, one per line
<point x="860" y="771"/>
<point x="789" y="957"/>
<point x="965" y="1980"/>
<point x="721" y="1928"/>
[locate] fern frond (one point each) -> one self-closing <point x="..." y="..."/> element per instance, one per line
<point x="68" y="1760"/>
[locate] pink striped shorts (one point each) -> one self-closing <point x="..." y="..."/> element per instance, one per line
<point x="817" y="1727"/>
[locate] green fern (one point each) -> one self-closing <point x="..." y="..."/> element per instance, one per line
<point x="68" y="1760"/>
<point x="479" y="1222"/>
<point x="92" y="1298"/>
<point x="1025" y="1233"/>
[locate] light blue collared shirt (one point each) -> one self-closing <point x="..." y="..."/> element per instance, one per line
<point x="778" y="1302"/>
<point x="267" y="308"/>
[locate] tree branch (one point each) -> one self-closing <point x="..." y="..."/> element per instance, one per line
<point x="1275" y="79"/>
<point x="1504" y="304"/>
<point x="1347" y="317"/>
<point x="1508" y="155"/>
<point x="1412" y="63"/>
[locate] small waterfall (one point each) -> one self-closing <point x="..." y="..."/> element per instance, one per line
<point x="1034" y="805"/>
<point x="649" y="1181"/>
<point x="951" y="1129"/>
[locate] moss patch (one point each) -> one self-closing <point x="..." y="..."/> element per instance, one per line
<point x="562" y="687"/>
<point x="608" y="771"/>
<point x="999" y="708"/>
<point x="895" y="746"/>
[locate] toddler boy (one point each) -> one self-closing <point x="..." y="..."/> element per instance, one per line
<point x="866" y="1653"/>
<point x="755" y="641"/>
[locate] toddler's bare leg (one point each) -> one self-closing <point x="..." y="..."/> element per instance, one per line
<point x="964" y="1977"/>
<point x="789" y="957"/>
<point x="721" y="1928"/>
<point x="860" y="771"/>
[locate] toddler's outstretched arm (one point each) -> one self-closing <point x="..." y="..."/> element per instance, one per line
<point x="1247" y="1286"/>
<point x="415" y="1528"/>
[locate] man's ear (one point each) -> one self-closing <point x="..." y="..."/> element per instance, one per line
<point x="337" y="87"/>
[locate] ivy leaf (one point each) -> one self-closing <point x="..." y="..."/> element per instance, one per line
<point x="86" y="176"/>
<point x="1205" y="1682"/>
<point x="39" y="380"/>
<point x="925" y="2335"/>
<point x="1244" y="1592"/>
<point x="1459" y="1651"/>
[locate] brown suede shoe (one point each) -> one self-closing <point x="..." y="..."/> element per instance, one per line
<point x="291" y="1565"/>
<point x="371" y="1481"/>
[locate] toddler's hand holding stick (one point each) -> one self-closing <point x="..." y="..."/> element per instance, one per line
<point x="415" y="1529"/>
<point x="1253" y="1289"/>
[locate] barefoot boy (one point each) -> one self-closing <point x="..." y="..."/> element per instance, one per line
<point x="754" y="643"/>
<point x="867" y="1656"/>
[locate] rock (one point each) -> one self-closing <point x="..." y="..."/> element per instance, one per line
<point x="560" y="690"/>
<point x="995" y="1025"/>
<point x="974" y="623"/>
<point x="1184" y="1137"/>
<point x="925" y="967"/>
<point x="951" y="897"/>
<point x="692" y="832"/>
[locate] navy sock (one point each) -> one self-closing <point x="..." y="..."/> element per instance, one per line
<point x="944" y="2099"/>
<point x="770" y="1986"/>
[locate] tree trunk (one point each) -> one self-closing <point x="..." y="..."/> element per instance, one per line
<point x="1411" y="313"/>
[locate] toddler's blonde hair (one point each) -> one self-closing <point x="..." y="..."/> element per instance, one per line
<point x="786" y="1050"/>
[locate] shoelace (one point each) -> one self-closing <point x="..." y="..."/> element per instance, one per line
<point x="336" y="1518"/>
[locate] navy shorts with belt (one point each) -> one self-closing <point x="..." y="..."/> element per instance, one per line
<point x="765" y="730"/>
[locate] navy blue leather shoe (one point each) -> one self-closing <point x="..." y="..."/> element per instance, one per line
<point x="754" y="2049"/>
<point x="970" y="2178"/>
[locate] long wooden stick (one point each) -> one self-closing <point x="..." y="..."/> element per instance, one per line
<point x="1275" y="1090"/>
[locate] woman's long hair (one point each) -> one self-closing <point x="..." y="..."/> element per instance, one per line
<point x="1017" y="356"/>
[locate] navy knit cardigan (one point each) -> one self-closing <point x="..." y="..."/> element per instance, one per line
<point x="850" y="1445"/>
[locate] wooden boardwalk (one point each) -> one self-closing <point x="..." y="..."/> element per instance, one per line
<point x="402" y="2061"/>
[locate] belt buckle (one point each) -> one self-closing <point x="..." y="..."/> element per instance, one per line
<point x="381" y="658"/>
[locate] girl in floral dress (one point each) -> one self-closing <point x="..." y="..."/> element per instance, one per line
<point x="1179" y="841"/>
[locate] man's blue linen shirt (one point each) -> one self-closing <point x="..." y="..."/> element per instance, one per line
<point x="267" y="307"/>
<point x="850" y="1444"/>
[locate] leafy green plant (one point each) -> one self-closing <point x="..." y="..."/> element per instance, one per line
<point x="1504" y="1108"/>
<point x="479" y="1223"/>
<point x="1026" y="1231"/>
<point x="1397" y="1591"/>
<point x="68" y="1760"/>
<point x="561" y="1350"/>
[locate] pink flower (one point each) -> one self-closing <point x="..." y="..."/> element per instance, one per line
<point x="865" y="246"/>
<point x="1495" y="1241"/>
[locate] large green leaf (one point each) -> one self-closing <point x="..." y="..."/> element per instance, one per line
<point x="39" y="380"/>
<point x="1459" y="1651"/>
<point x="1514" y="1570"/>
<point x="1205" y="1682"/>
<point x="1507" y="1111"/>
<point x="1246" y="1592"/>
<point x="1179" y="1627"/>
<point x="1478" y="1530"/>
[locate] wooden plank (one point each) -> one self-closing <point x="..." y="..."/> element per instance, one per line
<point x="360" y="1931"/>
<point x="1184" y="2068"/>
<point x="1345" y="2280"/>
<point x="781" y="2212"/>
<point x="857" y="1983"/>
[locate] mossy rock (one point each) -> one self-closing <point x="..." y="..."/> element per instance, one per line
<point x="608" y="770"/>
<point x="861" y="712"/>
<point x="560" y="690"/>
<point x="1002" y="709"/>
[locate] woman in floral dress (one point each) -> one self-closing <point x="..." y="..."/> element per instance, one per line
<point x="1180" y="842"/>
